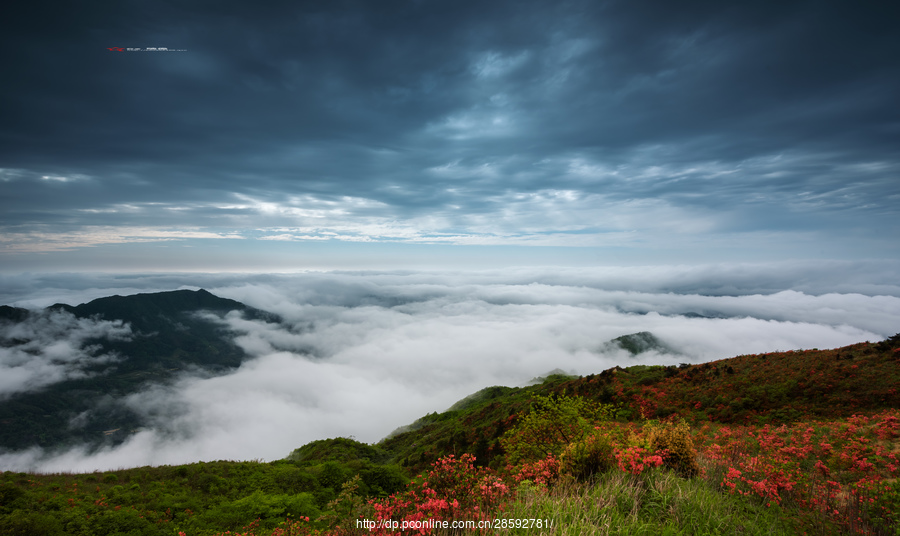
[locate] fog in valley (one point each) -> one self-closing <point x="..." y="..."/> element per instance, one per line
<point x="358" y="354"/>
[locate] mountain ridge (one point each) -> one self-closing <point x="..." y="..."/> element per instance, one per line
<point x="130" y="308"/>
<point x="166" y="336"/>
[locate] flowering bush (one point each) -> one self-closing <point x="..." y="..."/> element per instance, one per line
<point x="635" y="459"/>
<point x="841" y="469"/>
<point x="453" y="489"/>
<point x="542" y="472"/>
<point x="674" y="442"/>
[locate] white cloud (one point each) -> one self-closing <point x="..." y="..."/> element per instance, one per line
<point x="361" y="354"/>
<point x="50" y="347"/>
<point x="96" y="235"/>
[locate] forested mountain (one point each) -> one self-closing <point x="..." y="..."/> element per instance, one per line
<point x="120" y="344"/>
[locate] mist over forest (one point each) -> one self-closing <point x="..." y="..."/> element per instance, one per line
<point x="362" y="353"/>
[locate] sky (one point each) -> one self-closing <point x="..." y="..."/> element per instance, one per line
<point x="446" y="134"/>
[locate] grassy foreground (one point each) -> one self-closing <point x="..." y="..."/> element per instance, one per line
<point x="658" y="502"/>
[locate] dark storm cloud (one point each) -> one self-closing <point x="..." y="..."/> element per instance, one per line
<point x="451" y="121"/>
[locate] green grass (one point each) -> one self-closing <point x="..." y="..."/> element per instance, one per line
<point x="657" y="502"/>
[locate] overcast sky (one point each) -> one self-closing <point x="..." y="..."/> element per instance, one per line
<point x="446" y="133"/>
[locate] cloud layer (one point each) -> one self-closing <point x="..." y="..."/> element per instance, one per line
<point x="361" y="354"/>
<point x="748" y="130"/>
<point x="53" y="346"/>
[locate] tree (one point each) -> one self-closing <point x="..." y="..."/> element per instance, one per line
<point x="552" y="422"/>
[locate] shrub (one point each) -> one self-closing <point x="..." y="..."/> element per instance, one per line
<point x="259" y="506"/>
<point x="9" y="494"/>
<point x="589" y="456"/>
<point x="675" y="439"/>
<point x="383" y="480"/>
<point x="292" y="479"/>
<point x="23" y="523"/>
<point x="344" y="510"/>
<point x="453" y="489"/>
<point x="552" y="423"/>
<point x="332" y="474"/>
<point x="884" y="506"/>
<point x="540" y="473"/>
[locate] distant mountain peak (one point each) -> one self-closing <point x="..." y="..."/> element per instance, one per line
<point x="166" y="336"/>
<point x="640" y="342"/>
<point x="172" y="300"/>
<point x="13" y="314"/>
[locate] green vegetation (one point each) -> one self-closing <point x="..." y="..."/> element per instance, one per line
<point x="638" y="343"/>
<point x="674" y="438"/>
<point x="653" y="503"/>
<point x="552" y="423"/>
<point x="587" y="457"/>
<point x="201" y="498"/>
<point x="781" y="443"/>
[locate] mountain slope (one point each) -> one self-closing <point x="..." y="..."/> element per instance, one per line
<point x="168" y="332"/>
<point x="774" y="388"/>
<point x="140" y="309"/>
<point x="638" y="343"/>
<point x="166" y="335"/>
<point x="856" y="450"/>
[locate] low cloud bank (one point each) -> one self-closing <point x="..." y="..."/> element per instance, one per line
<point x="53" y="346"/>
<point x="866" y="277"/>
<point x="359" y="354"/>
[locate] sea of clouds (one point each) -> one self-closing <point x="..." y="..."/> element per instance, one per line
<point x="52" y="346"/>
<point x="359" y="354"/>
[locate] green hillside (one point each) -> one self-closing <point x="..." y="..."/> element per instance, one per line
<point x="773" y="388"/>
<point x="779" y="443"/>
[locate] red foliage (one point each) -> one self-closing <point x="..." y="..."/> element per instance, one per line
<point x="453" y="490"/>
<point x="831" y="468"/>
<point x="542" y="472"/>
